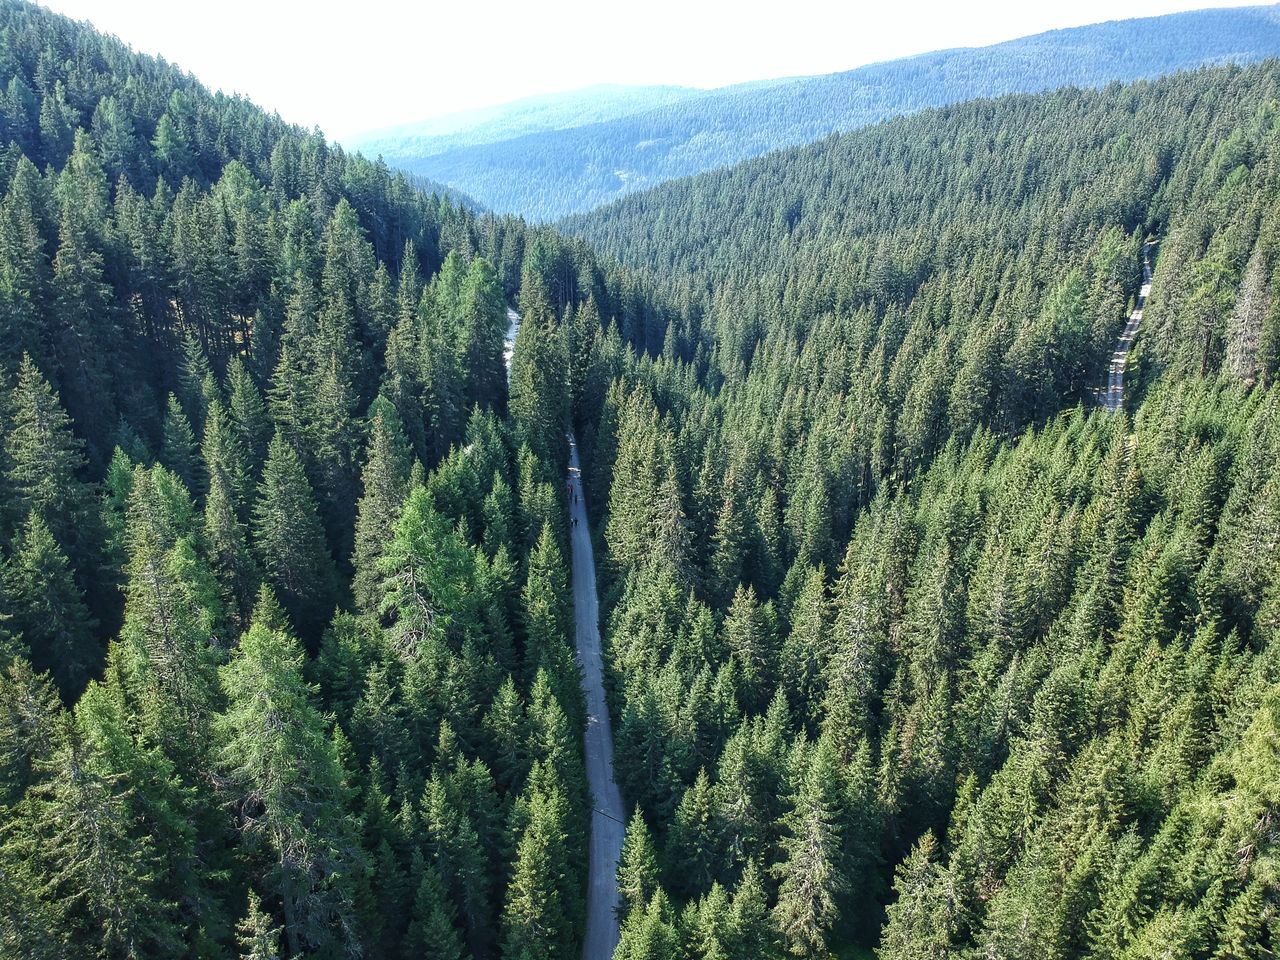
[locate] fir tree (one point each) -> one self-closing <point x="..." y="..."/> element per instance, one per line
<point x="48" y="610"/>
<point x="290" y="787"/>
<point x="258" y="939"/>
<point x="290" y="541"/>
<point x="386" y="480"/>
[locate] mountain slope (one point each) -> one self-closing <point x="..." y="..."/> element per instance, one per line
<point x="285" y="656"/>
<point x="557" y="111"/>
<point x="913" y="647"/>
<point x="548" y="174"/>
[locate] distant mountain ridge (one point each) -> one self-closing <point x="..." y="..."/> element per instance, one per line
<point x="538" y="114"/>
<point x="549" y="173"/>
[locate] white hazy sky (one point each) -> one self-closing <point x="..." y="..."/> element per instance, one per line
<point x="353" y="66"/>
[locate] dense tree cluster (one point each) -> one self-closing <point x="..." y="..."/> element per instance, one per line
<point x="1041" y="679"/>
<point x="907" y="648"/>
<point x="284" y="620"/>
<point x="875" y="643"/>
<point x="584" y="159"/>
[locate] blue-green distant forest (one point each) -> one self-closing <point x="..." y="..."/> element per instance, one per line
<point x="911" y="649"/>
<point x="587" y="161"/>
<point x="558" y="111"/>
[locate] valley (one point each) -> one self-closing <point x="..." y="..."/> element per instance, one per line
<point x="824" y="517"/>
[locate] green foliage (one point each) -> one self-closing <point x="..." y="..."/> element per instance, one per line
<point x="290" y="541"/>
<point x="48" y="611"/>
<point x="230" y="351"/>
<point x="289" y="786"/>
<point x="902" y="650"/>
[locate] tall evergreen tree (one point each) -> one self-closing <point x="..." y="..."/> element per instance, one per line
<point x="290" y="542"/>
<point x="48" y="609"/>
<point x="290" y="790"/>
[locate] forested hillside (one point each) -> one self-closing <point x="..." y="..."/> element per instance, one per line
<point x="897" y="618"/>
<point x="283" y="608"/>
<point x="575" y="168"/>
<point x="910" y="647"/>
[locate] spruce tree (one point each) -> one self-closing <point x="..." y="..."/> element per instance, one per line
<point x="248" y="415"/>
<point x="693" y="855"/>
<point x="290" y="541"/>
<point x="386" y="482"/>
<point x="230" y="560"/>
<point x="93" y="867"/>
<point x="44" y="461"/>
<point x="811" y="874"/>
<point x="534" y="920"/>
<point x="178" y="447"/>
<point x="289" y="785"/>
<point x="256" y="936"/>
<point x="540" y="377"/>
<point x="431" y="933"/>
<point x="48" y="610"/>
<point x="637" y="867"/>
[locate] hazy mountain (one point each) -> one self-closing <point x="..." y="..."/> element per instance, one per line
<point x="580" y="160"/>
<point x="506" y="121"/>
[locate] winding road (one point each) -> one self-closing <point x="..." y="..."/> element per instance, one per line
<point x="1112" y="396"/>
<point x="608" y="818"/>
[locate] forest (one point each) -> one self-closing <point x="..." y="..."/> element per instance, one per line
<point x="587" y="159"/>
<point x="912" y="651"/>
<point x="934" y="657"/>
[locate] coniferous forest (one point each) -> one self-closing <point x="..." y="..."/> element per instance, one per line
<point x="912" y="650"/>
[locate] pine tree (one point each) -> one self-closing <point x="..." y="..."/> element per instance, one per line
<point x="386" y="482"/>
<point x="256" y="936"/>
<point x="289" y="785"/>
<point x="290" y="541"/>
<point x="48" y="611"/>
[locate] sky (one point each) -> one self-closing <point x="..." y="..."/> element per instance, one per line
<point x="350" y="67"/>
